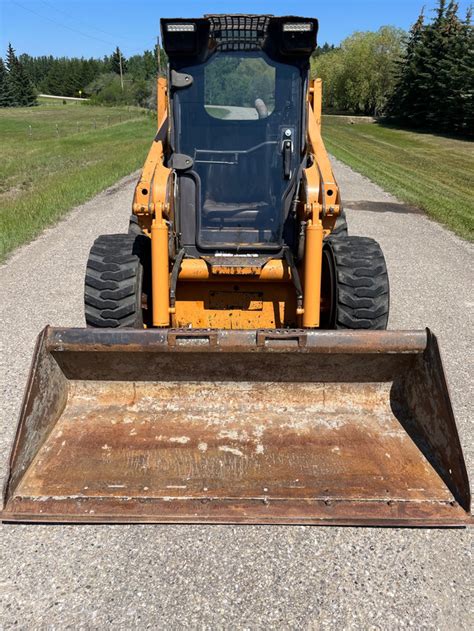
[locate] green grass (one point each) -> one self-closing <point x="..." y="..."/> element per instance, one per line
<point x="42" y="100"/>
<point x="216" y="111"/>
<point x="43" y="174"/>
<point x="434" y="173"/>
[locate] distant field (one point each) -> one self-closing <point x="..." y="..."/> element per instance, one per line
<point x="57" y="156"/>
<point x="431" y="172"/>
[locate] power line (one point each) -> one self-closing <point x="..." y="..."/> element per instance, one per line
<point x="71" y="17"/>
<point x="69" y="28"/>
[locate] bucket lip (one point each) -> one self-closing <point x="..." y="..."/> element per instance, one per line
<point x="264" y="511"/>
<point x="251" y="340"/>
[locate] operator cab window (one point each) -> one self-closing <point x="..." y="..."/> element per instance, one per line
<point x="232" y="121"/>
<point x="239" y="88"/>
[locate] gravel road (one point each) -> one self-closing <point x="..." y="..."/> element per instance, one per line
<point x="89" y="577"/>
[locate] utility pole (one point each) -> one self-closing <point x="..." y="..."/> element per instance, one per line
<point x="158" y="54"/>
<point x="121" y="71"/>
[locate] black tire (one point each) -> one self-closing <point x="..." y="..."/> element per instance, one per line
<point x="133" y="226"/>
<point x="355" y="284"/>
<point x="340" y="228"/>
<point x="117" y="284"/>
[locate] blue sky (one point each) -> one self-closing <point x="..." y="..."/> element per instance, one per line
<point x="92" y="28"/>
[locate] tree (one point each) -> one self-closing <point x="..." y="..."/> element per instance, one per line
<point x="435" y="85"/>
<point x="406" y="102"/>
<point x="6" y="94"/>
<point x="118" y="63"/>
<point x="322" y="50"/>
<point x="22" y="91"/>
<point x="359" y="76"/>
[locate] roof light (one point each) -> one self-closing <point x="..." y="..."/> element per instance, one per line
<point x="294" y="27"/>
<point x="180" y="28"/>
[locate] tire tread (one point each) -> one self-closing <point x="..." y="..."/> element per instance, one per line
<point x="362" y="285"/>
<point x="114" y="273"/>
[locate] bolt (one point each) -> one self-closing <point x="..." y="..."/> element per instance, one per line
<point x="287" y="133"/>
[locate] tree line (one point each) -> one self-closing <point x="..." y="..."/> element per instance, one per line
<point x="113" y="79"/>
<point x="423" y="79"/>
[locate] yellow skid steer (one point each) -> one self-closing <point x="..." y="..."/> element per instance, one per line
<point x="236" y="366"/>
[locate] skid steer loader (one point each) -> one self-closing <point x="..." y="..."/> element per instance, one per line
<point x="236" y="366"/>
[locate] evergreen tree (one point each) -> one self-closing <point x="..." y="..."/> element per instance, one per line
<point x="20" y="84"/>
<point x="6" y="94"/>
<point x="115" y="61"/>
<point x="467" y="71"/>
<point x="435" y="86"/>
<point x="10" y="62"/>
<point x="409" y="100"/>
<point x="459" y="73"/>
<point x="322" y="50"/>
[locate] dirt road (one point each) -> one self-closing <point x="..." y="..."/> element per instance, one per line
<point x="86" y="577"/>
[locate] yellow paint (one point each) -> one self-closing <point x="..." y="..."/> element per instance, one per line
<point x="160" y="273"/>
<point x="312" y="274"/>
<point x="246" y="305"/>
<point x="198" y="269"/>
<point x="324" y="200"/>
<point x="162" y="100"/>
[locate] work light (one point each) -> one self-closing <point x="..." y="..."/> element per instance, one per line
<point x="294" y="27"/>
<point x="180" y="28"/>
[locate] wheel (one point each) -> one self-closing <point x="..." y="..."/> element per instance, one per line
<point x="117" y="284"/>
<point x="133" y="226"/>
<point x="355" y="287"/>
<point x="340" y="228"/>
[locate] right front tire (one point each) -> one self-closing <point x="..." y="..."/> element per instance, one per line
<point x="355" y="287"/>
<point x="340" y="227"/>
<point x="117" y="283"/>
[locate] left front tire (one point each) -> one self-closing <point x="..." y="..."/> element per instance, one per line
<point x="116" y="291"/>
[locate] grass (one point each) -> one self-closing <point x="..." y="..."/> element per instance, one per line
<point x="45" y="172"/>
<point x="434" y="173"/>
<point x="56" y="156"/>
<point x="216" y="111"/>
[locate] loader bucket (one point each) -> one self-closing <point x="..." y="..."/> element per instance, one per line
<point x="237" y="427"/>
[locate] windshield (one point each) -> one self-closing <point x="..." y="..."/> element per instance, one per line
<point x="239" y="88"/>
<point x="233" y="121"/>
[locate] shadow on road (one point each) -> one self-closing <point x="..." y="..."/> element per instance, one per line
<point x="383" y="207"/>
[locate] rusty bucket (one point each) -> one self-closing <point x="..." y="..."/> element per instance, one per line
<point x="237" y="427"/>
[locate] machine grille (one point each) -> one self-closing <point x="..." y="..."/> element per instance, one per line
<point x="238" y="32"/>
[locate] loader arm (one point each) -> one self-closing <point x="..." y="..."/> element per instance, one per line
<point x="323" y="196"/>
<point x="151" y="192"/>
<point x="151" y="204"/>
<point x="321" y="209"/>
